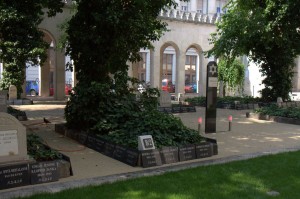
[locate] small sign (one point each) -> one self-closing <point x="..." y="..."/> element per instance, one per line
<point x="212" y="82"/>
<point x="43" y="172"/>
<point x="14" y="176"/>
<point x="9" y="143"/>
<point x="169" y="155"/>
<point x="187" y="153"/>
<point x="203" y="150"/>
<point x="145" y="142"/>
<point x="151" y="158"/>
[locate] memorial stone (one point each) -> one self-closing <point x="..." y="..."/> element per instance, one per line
<point x="3" y="101"/>
<point x="211" y="97"/>
<point x="145" y="142"/>
<point x="12" y="92"/>
<point x="165" y="99"/>
<point x="13" y="146"/>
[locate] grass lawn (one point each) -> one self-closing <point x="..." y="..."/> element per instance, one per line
<point x="242" y="179"/>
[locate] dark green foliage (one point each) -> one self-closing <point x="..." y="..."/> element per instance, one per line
<point x="268" y="33"/>
<point x="104" y="34"/>
<point x="121" y="114"/>
<point x="102" y="37"/>
<point x="20" y="39"/>
<point x="274" y="110"/>
<point x="232" y="74"/>
<point x="37" y="150"/>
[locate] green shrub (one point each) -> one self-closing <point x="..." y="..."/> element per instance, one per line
<point x="120" y="114"/>
<point x="37" y="150"/>
<point x="273" y="110"/>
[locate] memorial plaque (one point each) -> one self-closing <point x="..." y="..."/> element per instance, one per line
<point x="14" y="176"/>
<point x="151" y="158"/>
<point x="82" y="138"/>
<point x="132" y="157"/>
<point x="9" y="143"/>
<point x="165" y="99"/>
<point x="100" y="144"/>
<point x="91" y="141"/>
<point x="176" y="109"/>
<point x="43" y="172"/>
<point x="187" y="153"/>
<point x="13" y="146"/>
<point x="203" y="150"/>
<point x="169" y="155"/>
<point x="211" y="97"/>
<point x="120" y="153"/>
<point x="109" y="149"/>
<point x="214" y="145"/>
<point x="145" y="142"/>
<point x="12" y="92"/>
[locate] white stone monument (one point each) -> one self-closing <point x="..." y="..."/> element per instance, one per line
<point x="13" y="146"/>
<point x="165" y="99"/>
<point x="145" y="142"/>
<point x="12" y="92"/>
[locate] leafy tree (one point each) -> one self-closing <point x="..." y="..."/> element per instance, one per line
<point x="266" y="31"/>
<point x="232" y="74"/>
<point x="102" y="36"/>
<point x="20" y="39"/>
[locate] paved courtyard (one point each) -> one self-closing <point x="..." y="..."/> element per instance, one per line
<point x="248" y="138"/>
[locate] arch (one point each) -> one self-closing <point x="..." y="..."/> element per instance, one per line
<point x="168" y="60"/>
<point x="193" y="68"/>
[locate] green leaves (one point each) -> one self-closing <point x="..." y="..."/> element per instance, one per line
<point x="265" y="31"/>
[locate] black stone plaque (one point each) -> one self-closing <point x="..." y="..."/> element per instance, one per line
<point x="215" y="145"/>
<point x="14" y="176"/>
<point x="109" y="149"/>
<point x="187" y="153"/>
<point x="176" y="109"/>
<point x="132" y="157"/>
<point x="120" y="153"/>
<point x="169" y="155"/>
<point x="43" y="172"/>
<point x="211" y="97"/>
<point x="151" y="158"/>
<point x="203" y="150"/>
<point x="82" y="138"/>
<point x="91" y="141"/>
<point x="100" y="144"/>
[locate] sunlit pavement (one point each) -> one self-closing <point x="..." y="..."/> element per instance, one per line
<point x="247" y="138"/>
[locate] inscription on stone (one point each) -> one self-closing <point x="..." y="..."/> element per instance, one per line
<point x="132" y="157"/>
<point x="43" y="172"/>
<point x="169" y="155"/>
<point x="14" y="176"/>
<point x="9" y="143"/>
<point x="100" y="145"/>
<point x="120" y="153"/>
<point x="187" y="153"/>
<point x="151" y="158"/>
<point x="203" y="150"/>
<point x="109" y="149"/>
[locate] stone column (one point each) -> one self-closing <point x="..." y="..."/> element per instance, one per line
<point x="45" y="77"/>
<point x="155" y="68"/>
<point x="59" y="75"/>
<point x="180" y="65"/>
